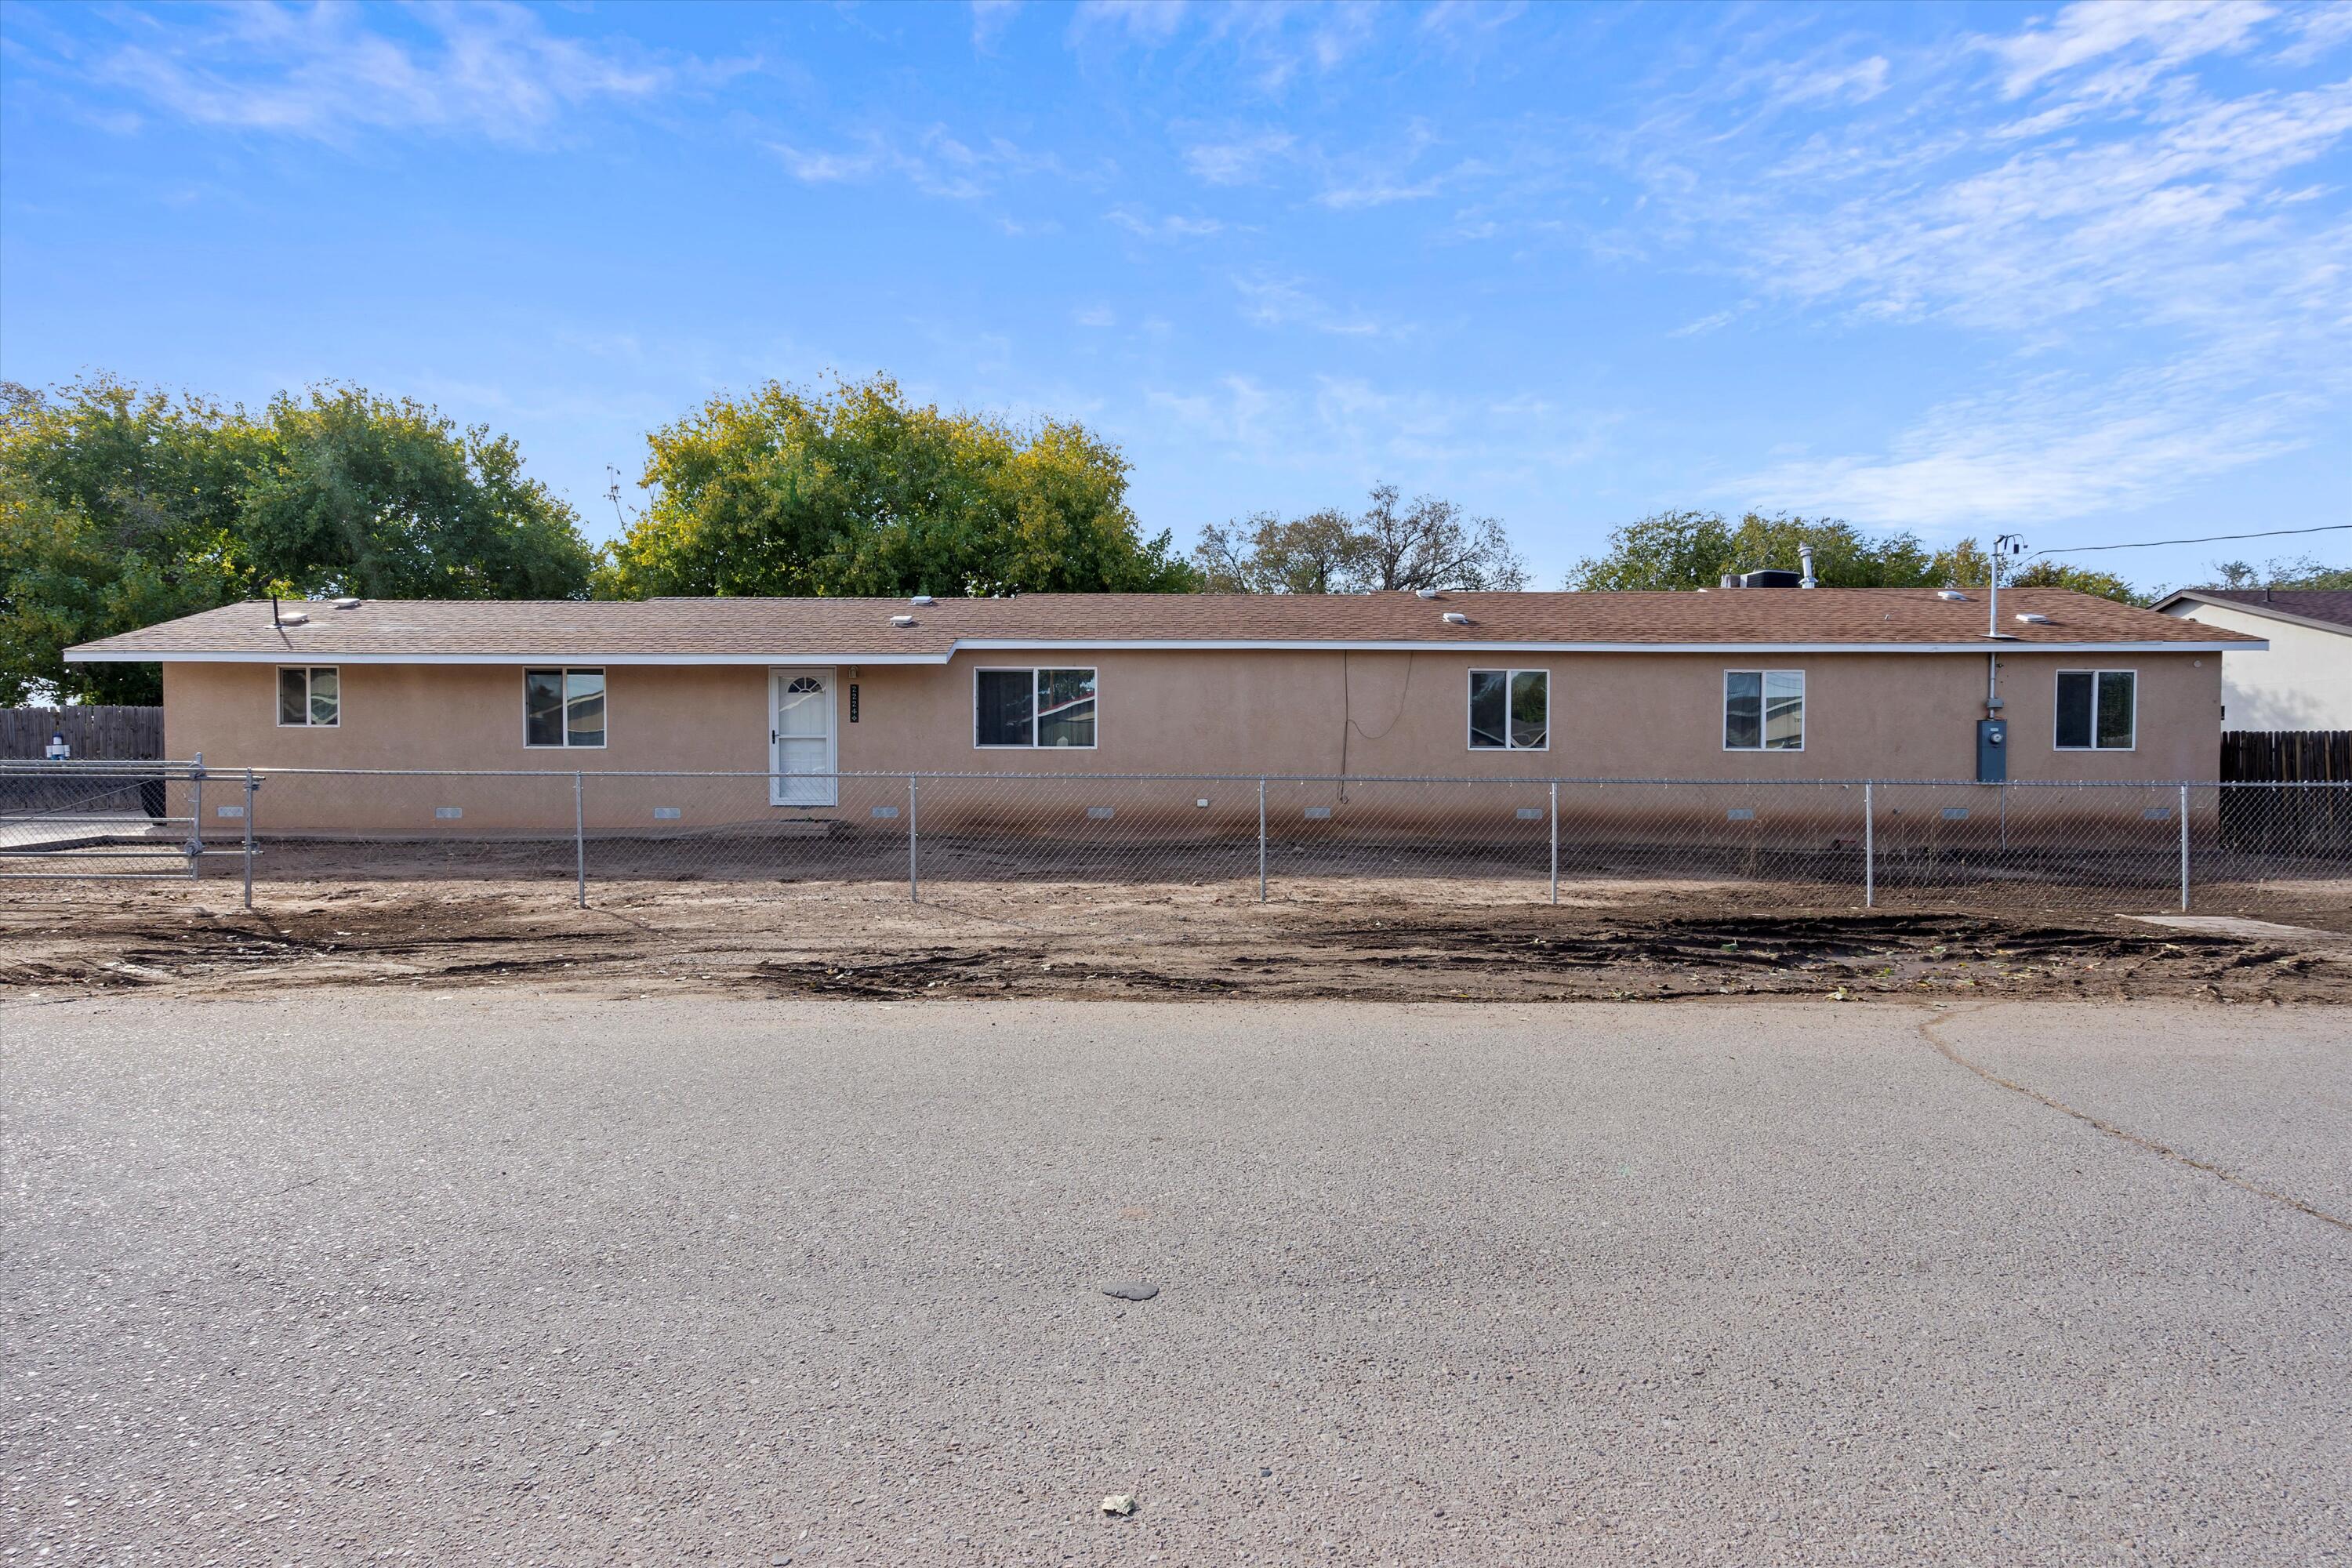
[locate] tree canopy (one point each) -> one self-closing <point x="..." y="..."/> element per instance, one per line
<point x="1431" y="543"/>
<point x="2307" y="572"/>
<point x="1694" y="549"/>
<point x="857" y="491"/>
<point x="121" y="506"/>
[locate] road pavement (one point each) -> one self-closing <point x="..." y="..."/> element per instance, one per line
<point x="373" y="1275"/>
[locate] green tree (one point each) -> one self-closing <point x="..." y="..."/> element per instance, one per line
<point x="1694" y="549"/>
<point x="2047" y="573"/>
<point x="120" y="507"/>
<point x="2305" y="573"/>
<point x="857" y="491"/>
<point x="383" y="497"/>
<point x="1265" y="553"/>
<point x="1431" y="544"/>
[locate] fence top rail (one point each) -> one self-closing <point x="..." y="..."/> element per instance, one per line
<point x="188" y="770"/>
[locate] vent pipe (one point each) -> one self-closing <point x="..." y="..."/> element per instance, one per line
<point x="1805" y="555"/>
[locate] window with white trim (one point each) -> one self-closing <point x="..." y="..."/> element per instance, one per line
<point x="1763" y="709"/>
<point x="1038" y="708"/>
<point x="563" y="707"/>
<point x="2098" y="709"/>
<point x="1510" y="709"/>
<point x="310" y="697"/>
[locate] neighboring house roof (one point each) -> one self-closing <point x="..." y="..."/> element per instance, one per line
<point x="2325" y="609"/>
<point x="786" y="631"/>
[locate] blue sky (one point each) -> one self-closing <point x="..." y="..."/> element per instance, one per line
<point x="2085" y="271"/>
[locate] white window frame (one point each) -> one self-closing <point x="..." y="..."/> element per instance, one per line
<point x="1763" y="710"/>
<point x="277" y="701"/>
<point x="1037" y="708"/>
<point x="1469" y="726"/>
<point x="2094" y="674"/>
<point x="565" y="672"/>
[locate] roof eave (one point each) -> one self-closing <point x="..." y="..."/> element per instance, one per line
<point x="92" y="654"/>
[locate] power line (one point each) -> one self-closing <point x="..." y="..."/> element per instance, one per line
<point x="2208" y="539"/>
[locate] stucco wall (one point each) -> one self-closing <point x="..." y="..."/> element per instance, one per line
<point x="1886" y="716"/>
<point x="2303" y="682"/>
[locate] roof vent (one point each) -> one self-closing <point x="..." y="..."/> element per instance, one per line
<point x="1951" y="595"/>
<point x="924" y="600"/>
<point x="1456" y="618"/>
<point x="902" y="620"/>
<point x="2030" y="619"/>
<point x="347" y="603"/>
<point x="1428" y="593"/>
<point x="293" y="618"/>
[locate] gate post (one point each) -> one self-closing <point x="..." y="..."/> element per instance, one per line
<point x="1555" y="841"/>
<point x="580" y="838"/>
<point x="250" y="786"/>
<point x="2184" y="849"/>
<point x="196" y="846"/>
<point x="1869" y="849"/>
<point x="1261" y="841"/>
<point x="914" y="887"/>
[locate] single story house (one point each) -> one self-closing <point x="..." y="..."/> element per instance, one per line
<point x="1744" y="683"/>
<point x="2304" y="680"/>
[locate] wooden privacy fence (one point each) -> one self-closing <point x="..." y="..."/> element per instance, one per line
<point x="95" y="734"/>
<point x="2291" y="821"/>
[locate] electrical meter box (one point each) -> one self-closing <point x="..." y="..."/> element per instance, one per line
<point x="1992" y="750"/>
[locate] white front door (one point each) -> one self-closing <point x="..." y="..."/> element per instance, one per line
<point x="800" y="738"/>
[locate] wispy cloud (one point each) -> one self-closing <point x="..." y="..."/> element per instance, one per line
<point x="1144" y="21"/>
<point x="324" y="73"/>
<point x="1168" y="226"/>
<point x="989" y="20"/>
<point x="2051" y="447"/>
<point x="1275" y="300"/>
<point x="934" y="162"/>
<point x="2091" y="195"/>
<point x="1239" y="161"/>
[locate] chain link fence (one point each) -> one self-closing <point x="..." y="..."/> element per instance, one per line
<point x="2051" y="847"/>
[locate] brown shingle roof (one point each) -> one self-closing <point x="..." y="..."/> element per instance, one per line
<point x="2332" y="606"/>
<point x="757" y="629"/>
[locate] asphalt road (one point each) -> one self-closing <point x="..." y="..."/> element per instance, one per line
<point x="488" y="1277"/>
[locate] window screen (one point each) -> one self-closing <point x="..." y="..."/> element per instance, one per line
<point x="2095" y="710"/>
<point x="1007" y="708"/>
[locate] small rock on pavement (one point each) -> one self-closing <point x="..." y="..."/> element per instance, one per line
<point x="1121" y="1503"/>
<point x="1131" y="1290"/>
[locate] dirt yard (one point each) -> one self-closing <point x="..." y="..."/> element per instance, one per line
<point x="1362" y="939"/>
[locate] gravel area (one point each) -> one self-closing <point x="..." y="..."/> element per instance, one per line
<point x="475" y="1275"/>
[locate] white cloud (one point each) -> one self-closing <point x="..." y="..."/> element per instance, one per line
<point x="1271" y="301"/>
<point x="1144" y="21"/>
<point x="2050" y="448"/>
<point x="1096" y="316"/>
<point x="2161" y="33"/>
<point x="1169" y="226"/>
<point x="935" y="163"/>
<point x="1242" y="161"/>
<point x="989" y="20"/>
<point x="2175" y="237"/>
<point x="320" y="72"/>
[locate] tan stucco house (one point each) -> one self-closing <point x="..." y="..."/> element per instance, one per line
<point x="2302" y="678"/>
<point x="1740" y="683"/>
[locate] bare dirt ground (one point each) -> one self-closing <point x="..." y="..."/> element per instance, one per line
<point x="1355" y="938"/>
